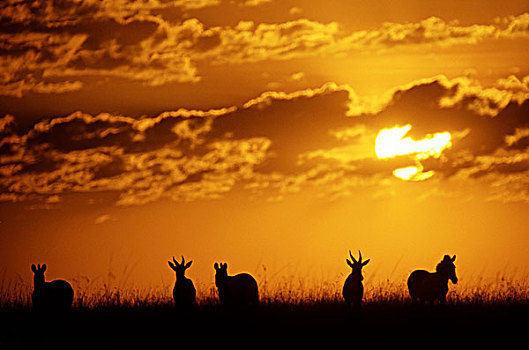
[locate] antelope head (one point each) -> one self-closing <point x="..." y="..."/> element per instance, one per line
<point x="357" y="265"/>
<point x="180" y="268"/>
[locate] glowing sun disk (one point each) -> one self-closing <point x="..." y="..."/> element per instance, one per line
<point x="391" y="143"/>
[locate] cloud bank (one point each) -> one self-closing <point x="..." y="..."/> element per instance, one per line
<point x="274" y="144"/>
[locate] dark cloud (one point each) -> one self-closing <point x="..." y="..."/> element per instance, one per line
<point x="274" y="144"/>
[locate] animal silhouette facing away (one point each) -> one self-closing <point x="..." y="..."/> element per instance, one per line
<point x="184" y="291"/>
<point x="353" y="289"/>
<point x="426" y="286"/>
<point x="238" y="290"/>
<point x="54" y="296"/>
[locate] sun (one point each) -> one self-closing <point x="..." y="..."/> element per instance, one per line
<point x="413" y="173"/>
<point x="392" y="143"/>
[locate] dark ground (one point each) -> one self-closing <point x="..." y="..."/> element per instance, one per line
<point x="325" y="324"/>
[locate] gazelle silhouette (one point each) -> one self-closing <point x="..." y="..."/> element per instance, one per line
<point x="353" y="289"/>
<point x="184" y="291"/>
<point x="56" y="295"/>
<point x="428" y="287"/>
<point x="238" y="290"/>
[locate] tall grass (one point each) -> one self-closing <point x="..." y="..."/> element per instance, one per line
<point x="14" y="293"/>
<point x="503" y="290"/>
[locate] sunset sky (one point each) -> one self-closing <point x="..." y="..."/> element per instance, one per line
<point x="263" y="133"/>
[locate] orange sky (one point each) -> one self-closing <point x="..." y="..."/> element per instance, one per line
<point x="244" y="131"/>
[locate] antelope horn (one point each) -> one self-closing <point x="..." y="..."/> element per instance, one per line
<point x="176" y="263"/>
<point x="359" y="257"/>
<point x="352" y="257"/>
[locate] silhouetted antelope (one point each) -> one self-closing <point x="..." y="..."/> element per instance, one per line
<point x="353" y="289"/>
<point x="427" y="286"/>
<point x="238" y="290"/>
<point x="184" y="291"/>
<point x="56" y="295"/>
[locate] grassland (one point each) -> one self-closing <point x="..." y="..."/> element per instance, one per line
<point x="106" y="317"/>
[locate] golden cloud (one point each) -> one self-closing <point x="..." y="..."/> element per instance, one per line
<point x="137" y="43"/>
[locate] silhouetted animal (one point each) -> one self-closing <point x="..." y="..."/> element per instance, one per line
<point x="353" y="289"/>
<point x="184" y="291"/>
<point x="56" y="295"/>
<point x="238" y="290"/>
<point x="428" y="287"/>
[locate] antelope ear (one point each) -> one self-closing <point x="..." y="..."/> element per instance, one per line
<point x="43" y="268"/>
<point x="216" y="266"/>
<point x="454" y="258"/>
<point x="225" y="265"/>
<point x="349" y="263"/>
<point x="365" y="262"/>
<point x="171" y="265"/>
<point x="33" y="268"/>
<point x="188" y="264"/>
